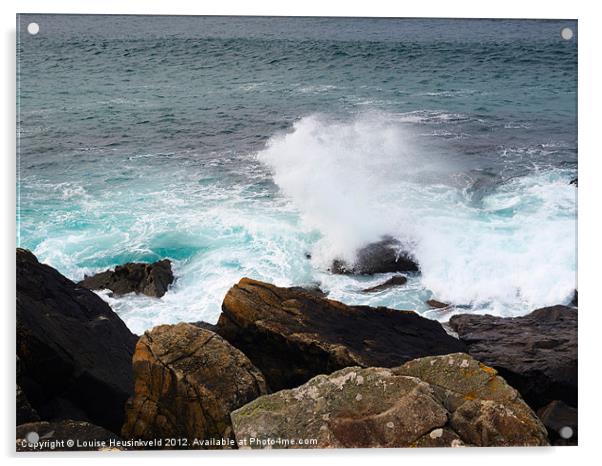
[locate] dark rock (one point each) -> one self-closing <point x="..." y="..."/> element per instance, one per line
<point x="574" y="181"/>
<point x="385" y="256"/>
<point x="149" y="279"/>
<point x="53" y="436"/>
<point x="557" y="417"/>
<point x="311" y="289"/>
<point x="436" y="304"/>
<point x="449" y="330"/>
<point x="574" y="302"/>
<point x="440" y="401"/>
<point x="292" y="335"/>
<point x="205" y="325"/>
<point x="58" y="409"/>
<point x="71" y="346"/>
<point x="187" y="381"/>
<point x="25" y="413"/>
<point x="397" y="280"/>
<point x="536" y="353"/>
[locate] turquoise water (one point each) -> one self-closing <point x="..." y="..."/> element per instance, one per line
<point x="236" y="146"/>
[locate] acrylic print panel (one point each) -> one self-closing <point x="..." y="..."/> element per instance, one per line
<point x="251" y="232"/>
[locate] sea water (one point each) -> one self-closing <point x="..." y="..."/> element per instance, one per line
<point x="239" y="147"/>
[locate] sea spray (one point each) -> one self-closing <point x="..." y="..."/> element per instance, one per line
<point x="459" y="138"/>
<point x="348" y="180"/>
<point x="360" y="179"/>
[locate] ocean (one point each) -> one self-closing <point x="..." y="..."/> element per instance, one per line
<point x="239" y="146"/>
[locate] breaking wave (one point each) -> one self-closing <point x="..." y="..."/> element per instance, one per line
<point x="357" y="180"/>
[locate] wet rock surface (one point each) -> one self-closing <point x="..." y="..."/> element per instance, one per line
<point x="149" y="279"/>
<point x="450" y="400"/>
<point x="385" y="256"/>
<point x="437" y="304"/>
<point x="535" y="353"/>
<point x="187" y="381"/>
<point x="314" y="289"/>
<point x="292" y="335"/>
<point x="392" y="282"/>
<point x="74" y="353"/>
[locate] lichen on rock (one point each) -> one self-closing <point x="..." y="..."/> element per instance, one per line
<point x="187" y="381"/>
<point x="450" y="400"/>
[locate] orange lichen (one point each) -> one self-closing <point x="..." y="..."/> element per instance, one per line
<point x="489" y="370"/>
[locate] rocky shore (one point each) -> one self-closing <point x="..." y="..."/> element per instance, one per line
<point x="284" y="368"/>
<point x="74" y="354"/>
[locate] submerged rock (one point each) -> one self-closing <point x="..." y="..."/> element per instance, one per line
<point x="74" y="351"/>
<point x="439" y="401"/>
<point x="574" y="181"/>
<point x="53" y="436"/>
<point x="149" y="279"/>
<point x="187" y="381"/>
<point x="560" y="420"/>
<point x="397" y="280"/>
<point x="535" y="353"/>
<point x="292" y="335"/>
<point x="384" y="256"/>
<point x="437" y="304"/>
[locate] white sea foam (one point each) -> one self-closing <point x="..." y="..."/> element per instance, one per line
<point x="217" y="235"/>
<point x="344" y="184"/>
<point x="316" y="89"/>
<point x="356" y="181"/>
<point x="342" y="177"/>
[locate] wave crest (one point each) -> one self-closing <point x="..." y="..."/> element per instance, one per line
<point x="357" y="180"/>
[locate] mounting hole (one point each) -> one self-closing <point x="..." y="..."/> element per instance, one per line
<point x="33" y="28"/>
<point x="32" y="437"/>
<point x="566" y="432"/>
<point x="566" y="33"/>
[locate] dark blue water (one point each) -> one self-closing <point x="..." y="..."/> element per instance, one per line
<point x="234" y="146"/>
